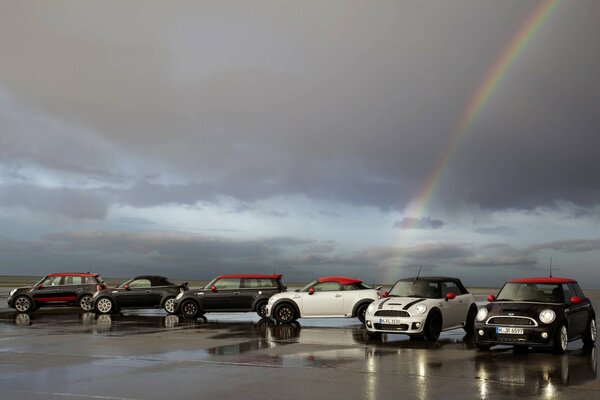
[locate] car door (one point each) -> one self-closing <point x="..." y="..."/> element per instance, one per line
<point x="326" y="301"/>
<point x="48" y="291"/>
<point x="577" y="314"/>
<point x="71" y="288"/>
<point x="226" y="296"/>
<point x="455" y="310"/>
<point x="136" y="295"/>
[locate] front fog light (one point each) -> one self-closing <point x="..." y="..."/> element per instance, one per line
<point x="482" y="313"/>
<point x="545" y="335"/>
<point x="480" y="332"/>
<point x="547" y="316"/>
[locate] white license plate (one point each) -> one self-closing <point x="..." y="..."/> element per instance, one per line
<point x="509" y="331"/>
<point x="388" y="321"/>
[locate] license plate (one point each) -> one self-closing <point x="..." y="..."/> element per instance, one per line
<point x="388" y="321"/>
<point x="509" y="331"/>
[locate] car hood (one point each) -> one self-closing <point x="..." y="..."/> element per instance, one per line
<point x="22" y="289"/>
<point x="520" y="308"/>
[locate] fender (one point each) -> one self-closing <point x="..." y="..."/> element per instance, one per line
<point x="290" y="301"/>
<point x="360" y="303"/>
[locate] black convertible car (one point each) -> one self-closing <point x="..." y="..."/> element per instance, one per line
<point x="536" y="312"/>
<point x="147" y="291"/>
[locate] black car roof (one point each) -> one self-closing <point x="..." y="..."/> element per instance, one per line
<point x="430" y="279"/>
<point x="153" y="278"/>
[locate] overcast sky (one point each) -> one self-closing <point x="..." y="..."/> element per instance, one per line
<point x="193" y="138"/>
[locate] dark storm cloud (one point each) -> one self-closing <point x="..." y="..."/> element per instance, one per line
<point x="569" y="246"/>
<point x="73" y="203"/>
<point x="496" y="230"/>
<point x="419" y="223"/>
<point x="354" y="107"/>
<point x="497" y="261"/>
<point x="422" y="251"/>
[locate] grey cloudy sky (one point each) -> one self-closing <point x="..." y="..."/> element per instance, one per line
<point x="192" y="138"/>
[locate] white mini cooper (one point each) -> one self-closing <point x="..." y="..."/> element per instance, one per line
<point x="331" y="296"/>
<point x="422" y="306"/>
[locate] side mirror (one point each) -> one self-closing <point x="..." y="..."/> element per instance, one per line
<point x="450" y="296"/>
<point x="491" y="298"/>
<point x="40" y="286"/>
<point x="576" y="300"/>
<point x="297" y="290"/>
<point x="385" y="294"/>
<point x="126" y="286"/>
<point x="213" y="289"/>
<point x="311" y="291"/>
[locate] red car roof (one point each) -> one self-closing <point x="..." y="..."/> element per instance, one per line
<point x="341" y="279"/>
<point x="72" y="274"/>
<point x="258" y="276"/>
<point x="543" y="280"/>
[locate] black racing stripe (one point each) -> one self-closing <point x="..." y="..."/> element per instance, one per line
<point x="383" y="302"/>
<point x="406" y="307"/>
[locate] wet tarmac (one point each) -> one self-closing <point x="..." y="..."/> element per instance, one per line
<point x="62" y="353"/>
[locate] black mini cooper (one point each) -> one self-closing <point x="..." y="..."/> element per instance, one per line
<point x="146" y="291"/>
<point x="57" y="289"/>
<point x="230" y="293"/>
<point x="536" y="312"/>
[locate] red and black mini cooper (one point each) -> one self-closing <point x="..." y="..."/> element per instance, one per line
<point x="59" y="289"/>
<point x="536" y="312"/>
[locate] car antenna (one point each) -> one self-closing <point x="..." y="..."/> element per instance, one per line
<point x="550" y="267"/>
<point x="419" y="273"/>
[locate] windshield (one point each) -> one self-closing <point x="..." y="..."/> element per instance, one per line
<point x="417" y="288"/>
<point x="537" y="292"/>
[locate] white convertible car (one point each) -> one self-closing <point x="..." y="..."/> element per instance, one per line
<point x="422" y="306"/>
<point x="331" y="296"/>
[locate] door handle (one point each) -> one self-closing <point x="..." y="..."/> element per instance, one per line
<point x="338" y="295"/>
<point x="236" y="292"/>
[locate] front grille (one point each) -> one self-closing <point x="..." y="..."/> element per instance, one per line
<point x="391" y="313"/>
<point x="390" y="327"/>
<point x="512" y="321"/>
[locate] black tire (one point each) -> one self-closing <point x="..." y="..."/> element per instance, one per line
<point x="169" y="305"/>
<point x="483" y="347"/>
<point x="469" y="327"/>
<point x="561" y="340"/>
<point x="190" y="309"/>
<point x="23" y="304"/>
<point x="261" y="308"/>
<point x="361" y="311"/>
<point x="589" y="336"/>
<point x="433" y="326"/>
<point x="85" y="302"/>
<point x="285" y="313"/>
<point x="105" y="305"/>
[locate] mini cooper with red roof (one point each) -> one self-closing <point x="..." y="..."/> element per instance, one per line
<point x="230" y="293"/>
<point x="423" y="306"/>
<point x="145" y="291"/>
<point x="57" y="289"/>
<point x="536" y="312"/>
<point x="331" y="296"/>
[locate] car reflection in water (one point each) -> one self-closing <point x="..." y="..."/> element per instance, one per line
<point x="534" y="373"/>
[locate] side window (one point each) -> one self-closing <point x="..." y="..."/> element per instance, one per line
<point x="52" y="281"/>
<point x="89" y="280"/>
<point x="351" y="286"/>
<point x="567" y="293"/>
<point x="258" y="283"/>
<point x="228" y="283"/>
<point x="327" y="287"/>
<point x="72" y="280"/>
<point x="140" y="283"/>
<point x="450" y="287"/>
<point x="574" y="287"/>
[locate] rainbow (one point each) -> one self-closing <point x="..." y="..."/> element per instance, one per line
<point x="478" y="100"/>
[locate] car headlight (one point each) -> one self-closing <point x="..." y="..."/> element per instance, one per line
<point x="482" y="313"/>
<point x="12" y="292"/>
<point x="180" y="295"/>
<point x="547" y="316"/>
<point x="371" y="308"/>
<point x="420" y="308"/>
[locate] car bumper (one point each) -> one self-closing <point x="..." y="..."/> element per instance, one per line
<point x="10" y="301"/>
<point x="407" y="325"/>
<point x="539" y="336"/>
<point x="269" y="310"/>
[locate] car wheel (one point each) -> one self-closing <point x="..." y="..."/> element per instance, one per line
<point x="433" y="326"/>
<point x="470" y="321"/>
<point x="589" y="336"/>
<point x="85" y="302"/>
<point x="285" y="313"/>
<point x="169" y="305"/>
<point x="23" y="304"/>
<point x="104" y="305"/>
<point x="362" y="310"/>
<point x="261" y="309"/>
<point x="483" y="347"/>
<point x="561" y="340"/>
<point x="190" y="309"/>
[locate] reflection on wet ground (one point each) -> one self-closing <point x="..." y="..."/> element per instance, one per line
<point x="64" y="353"/>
